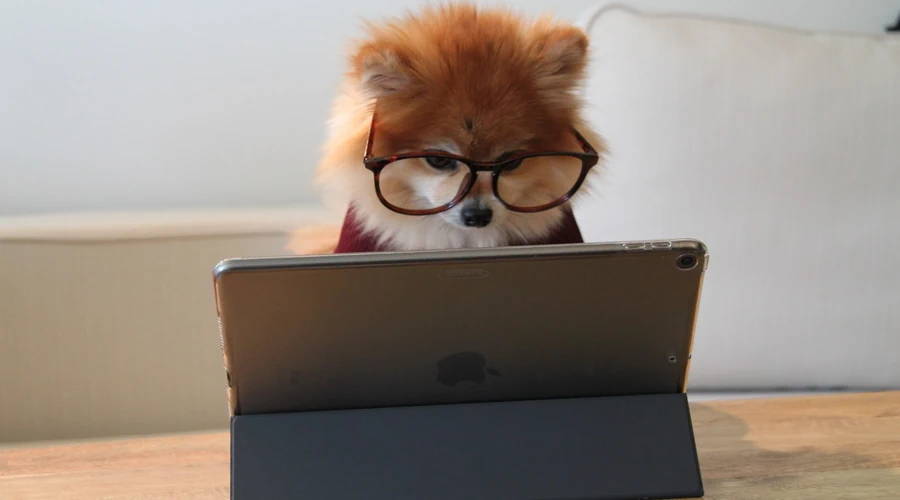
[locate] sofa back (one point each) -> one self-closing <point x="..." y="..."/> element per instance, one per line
<point x="778" y="147"/>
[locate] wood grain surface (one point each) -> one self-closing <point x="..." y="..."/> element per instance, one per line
<point x="818" y="448"/>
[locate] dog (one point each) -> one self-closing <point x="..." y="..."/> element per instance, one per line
<point x="475" y="87"/>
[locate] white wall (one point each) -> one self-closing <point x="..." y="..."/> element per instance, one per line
<point x="110" y="105"/>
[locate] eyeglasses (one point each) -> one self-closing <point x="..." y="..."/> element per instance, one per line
<point x="430" y="182"/>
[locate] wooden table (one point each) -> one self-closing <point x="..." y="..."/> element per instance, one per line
<point x="818" y="448"/>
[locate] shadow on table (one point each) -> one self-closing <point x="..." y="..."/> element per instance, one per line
<point x="736" y="467"/>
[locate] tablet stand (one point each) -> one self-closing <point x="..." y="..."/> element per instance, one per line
<point x="607" y="448"/>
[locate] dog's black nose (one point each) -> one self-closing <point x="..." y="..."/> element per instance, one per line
<point x="476" y="216"/>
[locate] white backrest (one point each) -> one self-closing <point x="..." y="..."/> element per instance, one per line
<point x="781" y="150"/>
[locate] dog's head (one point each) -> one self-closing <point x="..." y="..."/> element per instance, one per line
<point x="482" y="85"/>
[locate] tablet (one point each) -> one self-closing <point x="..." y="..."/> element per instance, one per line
<point x="375" y="330"/>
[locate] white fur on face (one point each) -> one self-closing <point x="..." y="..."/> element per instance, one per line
<point x="439" y="188"/>
<point x="432" y="185"/>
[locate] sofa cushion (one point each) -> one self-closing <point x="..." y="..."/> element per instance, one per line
<point x="779" y="149"/>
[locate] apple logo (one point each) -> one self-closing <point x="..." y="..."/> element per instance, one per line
<point x="463" y="367"/>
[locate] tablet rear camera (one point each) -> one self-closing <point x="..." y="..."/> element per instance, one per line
<point x="686" y="262"/>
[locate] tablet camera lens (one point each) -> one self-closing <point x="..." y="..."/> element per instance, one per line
<point x="687" y="262"/>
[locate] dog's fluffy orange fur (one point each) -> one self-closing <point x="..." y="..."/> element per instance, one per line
<point x="475" y="82"/>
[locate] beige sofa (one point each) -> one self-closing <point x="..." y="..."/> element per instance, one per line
<point x="108" y="322"/>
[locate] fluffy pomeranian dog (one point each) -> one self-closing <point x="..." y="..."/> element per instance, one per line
<point x="493" y="96"/>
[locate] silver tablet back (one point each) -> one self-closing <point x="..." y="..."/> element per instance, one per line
<point x="500" y="324"/>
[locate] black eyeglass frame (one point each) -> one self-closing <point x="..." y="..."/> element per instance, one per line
<point x="588" y="157"/>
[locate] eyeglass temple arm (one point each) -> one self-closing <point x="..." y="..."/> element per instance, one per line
<point x="369" y="138"/>
<point x="585" y="145"/>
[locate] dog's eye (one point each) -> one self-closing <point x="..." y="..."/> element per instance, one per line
<point x="511" y="165"/>
<point x="440" y="162"/>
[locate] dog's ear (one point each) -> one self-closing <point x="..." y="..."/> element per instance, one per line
<point x="561" y="53"/>
<point x="382" y="69"/>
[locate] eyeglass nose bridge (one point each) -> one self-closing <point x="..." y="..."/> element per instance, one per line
<point x="475" y="168"/>
<point x="483" y="166"/>
<point x="465" y="188"/>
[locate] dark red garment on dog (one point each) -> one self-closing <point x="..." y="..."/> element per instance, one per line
<point x="354" y="240"/>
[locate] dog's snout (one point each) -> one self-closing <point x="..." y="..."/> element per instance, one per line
<point x="476" y="216"/>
